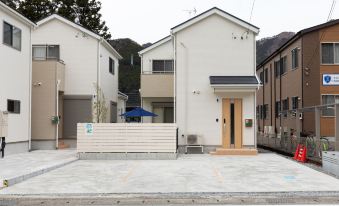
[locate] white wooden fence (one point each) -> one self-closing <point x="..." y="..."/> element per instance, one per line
<point x="126" y="137"/>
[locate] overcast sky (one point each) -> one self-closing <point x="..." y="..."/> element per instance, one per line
<point x="150" y="20"/>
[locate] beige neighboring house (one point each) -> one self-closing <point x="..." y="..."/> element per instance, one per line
<point x="68" y="61"/>
<point x="203" y="78"/>
<point x="15" y="79"/>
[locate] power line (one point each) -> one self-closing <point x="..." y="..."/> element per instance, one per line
<point x="322" y="35"/>
<point x="331" y="10"/>
<point x="252" y="10"/>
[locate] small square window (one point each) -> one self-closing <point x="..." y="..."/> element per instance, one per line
<point x="13" y="106"/>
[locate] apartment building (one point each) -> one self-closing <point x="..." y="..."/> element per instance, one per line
<point x="73" y="69"/>
<point x="15" y="78"/>
<point x="202" y="77"/>
<point x="301" y="73"/>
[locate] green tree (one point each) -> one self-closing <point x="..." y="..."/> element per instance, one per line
<point x="36" y="10"/>
<point x="11" y="3"/>
<point x="83" y="12"/>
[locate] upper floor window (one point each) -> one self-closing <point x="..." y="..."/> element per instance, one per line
<point x="330" y="53"/>
<point x="266" y="76"/>
<point x="283" y="65"/>
<point x="261" y="76"/>
<point x="162" y="66"/>
<point x="329" y="99"/>
<point x="295" y="60"/>
<point x="277" y="68"/>
<point x="12" y="36"/>
<point x="44" y="52"/>
<point x="111" y="66"/>
<point x="13" y="106"/>
<point x="295" y="103"/>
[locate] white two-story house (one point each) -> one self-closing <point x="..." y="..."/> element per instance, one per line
<point x="202" y="77"/>
<point x="68" y="62"/>
<point x="15" y="79"/>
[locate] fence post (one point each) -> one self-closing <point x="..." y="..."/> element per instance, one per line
<point x="317" y="123"/>
<point x="336" y="127"/>
<point x="297" y="126"/>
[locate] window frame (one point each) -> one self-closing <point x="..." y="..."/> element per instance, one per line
<point x="321" y="53"/>
<point x="46" y="47"/>
<point x="321" y="99"/>
<point x="295" y="99"/>
<point x="295" y="62"/>
<point x="12" y="37"/>
<point x="16" y="110"/>
<point x="266" y="75"/>
<point x="164" y="71"/>
<point x="111" y="65"/>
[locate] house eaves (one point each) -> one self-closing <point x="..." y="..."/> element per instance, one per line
<point x="82" y="29"/>
<point x="155" y="44"/>
<point x="219" y="12"/>
<point x="16" y="14"/>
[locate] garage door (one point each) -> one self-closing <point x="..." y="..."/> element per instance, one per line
<point x="77" y="109"/>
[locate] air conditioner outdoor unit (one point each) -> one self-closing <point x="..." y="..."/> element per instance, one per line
<point x="193" y="139"/>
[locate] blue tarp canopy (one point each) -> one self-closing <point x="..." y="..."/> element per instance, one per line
<point x="139" y="112"/>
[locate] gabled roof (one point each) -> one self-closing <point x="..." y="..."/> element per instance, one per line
<point x="80" y="28"/>
<point x="219" y="12"/>
<point x="19" y="16"/>
<point x="155" y="44"/>
<point x="198" y="18"/>
<point x="296" y="37"/>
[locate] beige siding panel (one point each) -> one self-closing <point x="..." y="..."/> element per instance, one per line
<point x="127" y="137"/>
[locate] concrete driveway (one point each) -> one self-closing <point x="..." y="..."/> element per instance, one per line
<point x="189" y="174"/>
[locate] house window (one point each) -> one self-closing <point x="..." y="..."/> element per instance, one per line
<point x="12" y="36"/>
<point x="111" y="66"/>
<point x="44" y="52"/>
<point x="13" y="106"/>
<point x="277" y="109"/>
<point x="162" y="66"/>
<point x="285" y="104"/>
<point x="295" y="103"/>
<point x="266" y="75"/>
<point x="330" y="53"/>
<point x="329" y="99"/>
<point x="261" y="77"/>
<point x="295" y="58"/>
<point x="283" y="65"/>
<point x="265" y="111"/>
<point x="277" y="68"/>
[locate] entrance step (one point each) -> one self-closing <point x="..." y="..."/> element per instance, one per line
<point x="231" y="151"/>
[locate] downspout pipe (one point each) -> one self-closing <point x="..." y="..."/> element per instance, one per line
<point x="30" y="91"/>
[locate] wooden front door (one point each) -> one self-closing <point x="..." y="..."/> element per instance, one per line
<point x="231" y="123"/>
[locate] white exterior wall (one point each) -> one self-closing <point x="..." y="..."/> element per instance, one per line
<point x="108" y="81"/>
<point x="208" y="48"/>
<point x="79" y="54"/>
<point x="163" y="52"/>
<point x="15" y="80"/>
<point x="121" y="109"/>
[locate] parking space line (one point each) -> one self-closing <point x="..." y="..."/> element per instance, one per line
<point x="218" y="175"/>
<point x="129" y="173"/>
